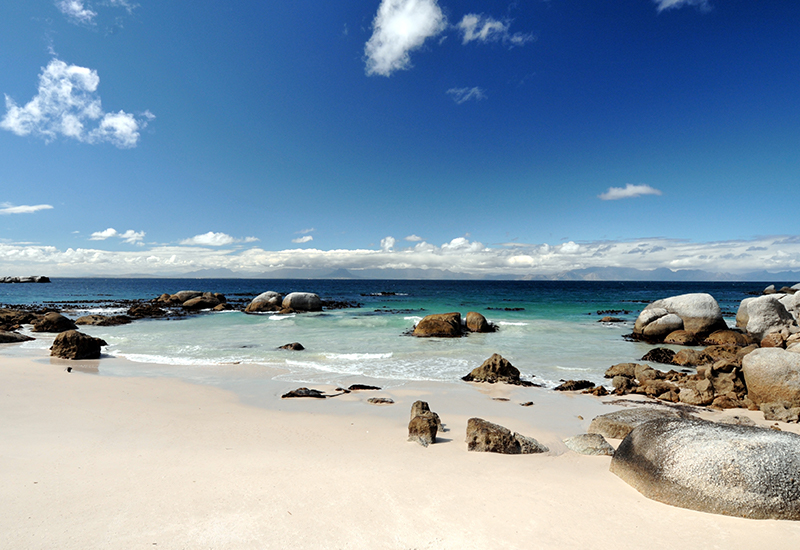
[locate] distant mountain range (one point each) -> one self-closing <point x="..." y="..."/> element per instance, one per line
<point x="587" y="274"/>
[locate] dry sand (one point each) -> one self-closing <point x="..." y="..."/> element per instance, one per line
<point x="90" y="461"/>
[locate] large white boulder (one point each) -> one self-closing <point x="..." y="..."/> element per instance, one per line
<point x="772" y="375"/>
<point x="718" y="468"/>
<point x="699" y="314"/>
<point x="764" y="315"/>
<point x="302" y="301"/>
<point x="266" y="301"/>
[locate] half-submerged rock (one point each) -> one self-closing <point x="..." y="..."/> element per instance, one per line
<point x="486" y="437"/>
<point x="447" y="325"/>
<point x="53" y="322"/>
<point x="302" y="301"/>
<point x="722" y="469"/>
<point x="424" y="424"/>
<point x="496" y="369"/>
<point x="72" y="344"/>
<point x="266" y="301"/>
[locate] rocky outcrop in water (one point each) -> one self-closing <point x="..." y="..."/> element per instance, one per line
<point x="496" y="369"/>
<point x="265" y="302"/>
<point x="698" y="314"/>
<point x="302" y="301"/>
<point x="721" y="469"/>
<point x="53" y="322"/>
<point x="32" y="279"/>
<point x="446" y="325"/>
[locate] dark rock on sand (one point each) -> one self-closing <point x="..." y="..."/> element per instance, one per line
<point x="589" y="444"/>
<point x="424" y="424"/>
<point x="72" y="344"/>
<point x="8" y="337"/>
<point x="304" y="392"/>
<point x="362" y="387"/>
<point x="716" y="468"/>
<point x="575" y="385"/>
<point x="53" y="322"/>
<point x="617" y="425"/>
<point x="484" y="436"/>
<point x="380" y="401"/>
<point x="446" y="325"/>
<point x="496" y="369"/>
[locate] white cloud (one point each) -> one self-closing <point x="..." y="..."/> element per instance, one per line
<point x="702" y="5"/>
<point x="305" y="231"/>
<point x="66" y="102"/>
<point x="215" y="239"/>
<point x="460" y="255"/>
<point x="628" y="192"/>
<point x="130" y="236"/>
<point x="483" y="28"/>
<point x="387" y="244"/>
<point x="304" y="239"/>
<point x="76" y="11"/>
<point x="413" y="238"/>
<point x="461" y="95"/>
<point x="8" y="208"/>
<point x="401" y="26"/>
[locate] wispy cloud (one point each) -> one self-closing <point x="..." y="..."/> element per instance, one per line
<point x="130" y="236"/>
<point x="82" y="13"/>
<point x="462" y="95"/>
<point x="66" y="103"/>
<point x="302" y="240"/>
<point x="8" y="208"/>
<point x="482" y="28"/>
<point x="702" y="5"/>
<point x="215" y="239"/>
<point x="76" y="11"/>
<point x="628" y="192"/>
<point x="400" y="27"/>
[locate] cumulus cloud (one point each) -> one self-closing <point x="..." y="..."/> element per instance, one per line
<point x="304" y="239"/>
<point x="628" y="192"/>
<point x="400" y="27"/>
<point x="130" y="236"/>
<point x="461" y="95"/>
<point x="8" y="208"/>
<point x="458" y="256"/>
<point x="413" y="239"/>
<point x="482" y="28"/>
<point x="67" y="104"/>
<point x="215" y="239"/>
<point x="702" y="5"/>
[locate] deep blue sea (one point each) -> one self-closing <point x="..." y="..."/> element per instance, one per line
<point x="550" y="330"/>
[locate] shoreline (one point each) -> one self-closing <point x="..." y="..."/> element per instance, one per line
<point x="133" y="462"/>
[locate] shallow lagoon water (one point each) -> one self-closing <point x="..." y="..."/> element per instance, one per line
<point x="550" y="330"/>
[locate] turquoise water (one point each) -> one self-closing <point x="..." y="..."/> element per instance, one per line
<point x="547" y="329"/>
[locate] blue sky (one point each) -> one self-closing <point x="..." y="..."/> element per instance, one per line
<point x="483" y="137"/>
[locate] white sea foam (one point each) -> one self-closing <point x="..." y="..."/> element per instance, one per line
<point x="511" y="324"/>
<point x="357" y="356"/>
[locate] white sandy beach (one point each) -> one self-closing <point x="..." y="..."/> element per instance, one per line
<point x="90" y="461"/>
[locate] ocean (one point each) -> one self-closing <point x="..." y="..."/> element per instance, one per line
<point x="549" y="330"/>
